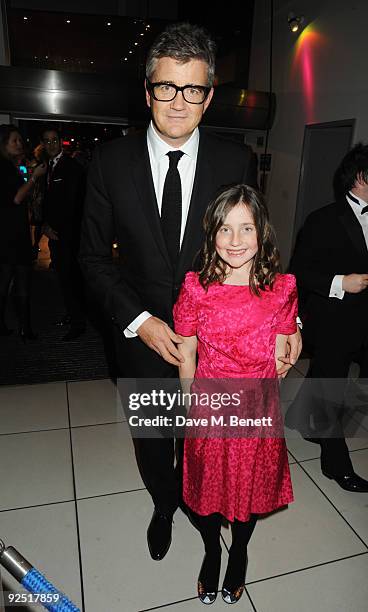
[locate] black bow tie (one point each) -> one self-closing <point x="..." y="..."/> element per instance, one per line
<point x="364" y="210"/>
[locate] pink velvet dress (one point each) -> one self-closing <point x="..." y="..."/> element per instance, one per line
<point x="236" y="333"/>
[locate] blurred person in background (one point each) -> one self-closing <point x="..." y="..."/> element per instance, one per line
<point x="15" y="236"/>
<point x="39" y="157"/>
<point x="63" y="205"/>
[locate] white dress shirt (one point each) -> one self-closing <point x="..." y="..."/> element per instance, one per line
<point x="157" y="150"/>
<point x="336" y="290"/>
<point x="54" y="161"/>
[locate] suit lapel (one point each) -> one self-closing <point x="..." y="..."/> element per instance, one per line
<point x="142" y="176"/>
<point x="201" y="195"/>
<point x="352" y="226"/>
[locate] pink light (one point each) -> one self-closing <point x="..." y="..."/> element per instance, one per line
<point x="306" y="54"/>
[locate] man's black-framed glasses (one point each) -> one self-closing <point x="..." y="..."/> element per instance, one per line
<point x="165" y="92"/>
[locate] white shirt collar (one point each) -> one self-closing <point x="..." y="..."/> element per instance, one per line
<point x="159" y="147"/>
<point x="352" y="202"/>
<point x="56" y="159"/>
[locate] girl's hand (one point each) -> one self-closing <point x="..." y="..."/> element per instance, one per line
<point x="280" y="355"/>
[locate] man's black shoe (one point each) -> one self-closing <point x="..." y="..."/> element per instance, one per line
<point x="350" y="482"/>
<point x="159" y="535"/>
<point x="73" y="333"/>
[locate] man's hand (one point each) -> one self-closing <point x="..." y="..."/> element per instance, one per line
<point x="50" y="233"/>
<point x="355" y="283"/>
<point x="293" y="350"/>
<point x="160" y="338"/>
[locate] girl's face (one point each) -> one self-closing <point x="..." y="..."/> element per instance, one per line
<point x="14" y="146"/>
<point x="236" y="240"/>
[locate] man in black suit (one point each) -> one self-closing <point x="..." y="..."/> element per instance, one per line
<point x="331" y="266"/>
<point x="151" y="190"/>
<point x="63" y="205"/>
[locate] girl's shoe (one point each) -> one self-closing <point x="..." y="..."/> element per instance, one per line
<point x="208" y="579"/>
<point x="232" y="597"/>
<point x="229" y="594"/>
<point x="206" y="597"/>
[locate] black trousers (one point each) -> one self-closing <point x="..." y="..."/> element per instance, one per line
<point x="66" y="265"/>
<point x="21" y="276"/>
<point x="159" y="457"/>
<point x="321" y="398"/>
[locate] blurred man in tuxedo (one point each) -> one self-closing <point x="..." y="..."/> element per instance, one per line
<point x="63" y="205"/>
<point x="331" y="266"/>
<point x="151" y="191"/>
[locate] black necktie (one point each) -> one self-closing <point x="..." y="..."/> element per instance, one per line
<point x="364" y="210"/>
<point x="50" y="172"/>
<point x="171" y="207"/>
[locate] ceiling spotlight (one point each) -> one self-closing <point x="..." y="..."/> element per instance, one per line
<point x="91" y="62"/>
<point x="68" y="21"/>
<point x="135" y="44"/>
<point x="295" y="23"/>
<point x="25" y="18"/>
<point x="130" y="51"/>
<point x="125" y="59"/>
<point x="141" y="34"/>
<point x="109" y="23"/>
<point x="95" y="139"/>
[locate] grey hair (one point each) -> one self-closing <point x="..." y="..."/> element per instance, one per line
<point x="183" y="42"/>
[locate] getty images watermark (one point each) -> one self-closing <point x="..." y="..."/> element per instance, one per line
<point x="209" y="408"/>
<point x="169" y="401"/>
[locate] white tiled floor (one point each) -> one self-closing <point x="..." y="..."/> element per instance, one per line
<point x="73" y="503"/>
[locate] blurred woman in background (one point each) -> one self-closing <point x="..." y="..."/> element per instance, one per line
<point x="15" y="237"/>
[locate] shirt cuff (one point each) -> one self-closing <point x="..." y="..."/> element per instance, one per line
<point x="336" y="290"/>
<point x="131" y="330"/>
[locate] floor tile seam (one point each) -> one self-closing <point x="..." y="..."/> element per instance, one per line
<point x="16" y="433"/>
<point x="160" y="607"/>
<point x="333" y="505"/>
<point x="110" y="494"/>
<point x="64" y="501"/>
<point x="172" y="603"/>
<point x="307" y="568"/>
<point x="75" y="504"/>
<point x="354" y="450"/>
<point x="31" y="431"/>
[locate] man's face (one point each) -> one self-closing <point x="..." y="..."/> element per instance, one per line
<point x="52" y="144"/>
<point x="176" y="120"/>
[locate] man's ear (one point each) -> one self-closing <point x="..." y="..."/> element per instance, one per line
<point x="148" y="97"/>
<point x="208" y="100"/>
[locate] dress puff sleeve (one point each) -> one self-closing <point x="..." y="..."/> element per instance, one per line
<point x="288" y="311"/>
<point x="185" y="309"/>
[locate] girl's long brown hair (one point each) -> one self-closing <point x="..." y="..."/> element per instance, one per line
<point x="266" y="263"/>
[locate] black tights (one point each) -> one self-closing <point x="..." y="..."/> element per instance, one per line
<point x="210" y="528"/>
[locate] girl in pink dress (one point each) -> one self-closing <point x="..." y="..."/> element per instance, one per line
<point x="234" y="315"/>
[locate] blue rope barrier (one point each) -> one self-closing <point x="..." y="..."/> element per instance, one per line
<point x="31" y="579"/>
<point x="35" y="582"/>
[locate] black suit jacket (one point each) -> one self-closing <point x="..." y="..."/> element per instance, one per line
<point x="64" y="197"/>
<point x="121" y="203"/>
<point x="331" y="242"/>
